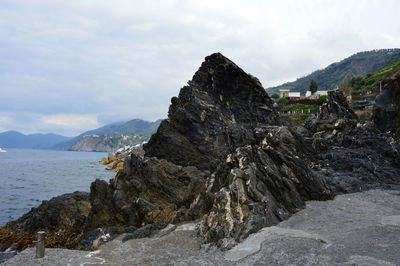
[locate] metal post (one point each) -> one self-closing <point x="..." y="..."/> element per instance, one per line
<point x="40" y="236"/>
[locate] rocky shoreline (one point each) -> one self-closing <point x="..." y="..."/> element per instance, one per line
<point x="353" y="229"/>
<point x="224" y="158"/>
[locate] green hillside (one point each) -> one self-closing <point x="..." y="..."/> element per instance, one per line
<point x="132" y="127"/>
<point x="335" y="74"/>
<point x="366" y="87"/>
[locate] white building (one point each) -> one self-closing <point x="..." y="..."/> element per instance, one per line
<point x="316" y="94"/>
<point x="284" y="93"/>
<point x="294" y="94"/>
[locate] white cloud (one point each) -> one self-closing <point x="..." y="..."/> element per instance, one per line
<point x="71" y="120"/>
<point x="125" y="59"/>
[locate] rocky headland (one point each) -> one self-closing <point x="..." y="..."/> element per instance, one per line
<point x="224" y="159"/>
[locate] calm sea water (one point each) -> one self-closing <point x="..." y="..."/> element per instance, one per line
<point x="29" y="176"/>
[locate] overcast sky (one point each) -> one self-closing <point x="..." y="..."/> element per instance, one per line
<point x="70" y="66"/>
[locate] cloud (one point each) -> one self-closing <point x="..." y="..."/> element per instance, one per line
<point x="121" y="59"/>
<point x="67" y="120"/>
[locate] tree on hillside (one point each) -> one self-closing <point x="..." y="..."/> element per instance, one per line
<point x="275" y="96"/>
<point x="313" y="86"/>
<point x="283" y="101"/>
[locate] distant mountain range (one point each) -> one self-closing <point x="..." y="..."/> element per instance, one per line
<point x="335" y="74"/>
<point x="120" y="132"/>
<point x="14" y="139"/>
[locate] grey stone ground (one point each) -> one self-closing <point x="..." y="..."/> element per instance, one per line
<point x="353" y="229"/>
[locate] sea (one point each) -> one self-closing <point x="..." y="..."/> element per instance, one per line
<point x="27" y="177"/>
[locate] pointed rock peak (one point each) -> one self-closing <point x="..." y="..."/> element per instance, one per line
<point x="219" y="74"/>
<point x="218" y="58"/>
<point x="217" y="112"/>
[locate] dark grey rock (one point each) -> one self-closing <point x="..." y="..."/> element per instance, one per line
<point x="216" y="113"/>
<point x="62" y="218"/>
<point x="366" y="160"/>
<point x="333" y="121"/>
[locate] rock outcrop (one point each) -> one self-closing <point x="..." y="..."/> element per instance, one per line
<point x="115" y="161"/>
<point x="386" y="115"/>
<point x="222" y="156"/>
<point x="334" y="120"/>
<point x="216" y="113"/>
<point x="62" y="218"/>
<point x="351" y="156"/>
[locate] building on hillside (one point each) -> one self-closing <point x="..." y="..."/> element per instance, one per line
<point x="284" y="93"/>
<point x="294" y="95"/>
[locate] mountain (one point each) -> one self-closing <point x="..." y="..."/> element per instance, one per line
<point x="113" y="136"/>
<point x="65" y="145"/>
<point x="14" y="139"/>
<point x="332" y="76"/>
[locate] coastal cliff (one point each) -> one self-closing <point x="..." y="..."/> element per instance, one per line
<point x="223" y="158"/>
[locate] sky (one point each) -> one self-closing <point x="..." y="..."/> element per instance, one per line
<point x="71" y="66"/>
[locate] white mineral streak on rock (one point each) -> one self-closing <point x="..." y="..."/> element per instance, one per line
<point x="228" y="210"/>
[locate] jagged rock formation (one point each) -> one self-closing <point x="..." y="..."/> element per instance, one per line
<point x="212" y="116"/>
<point x="334" y="120"/>
<point x="387" y="109"/>
<point x="221" y="156"/>
<point x="352" y="156"/>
